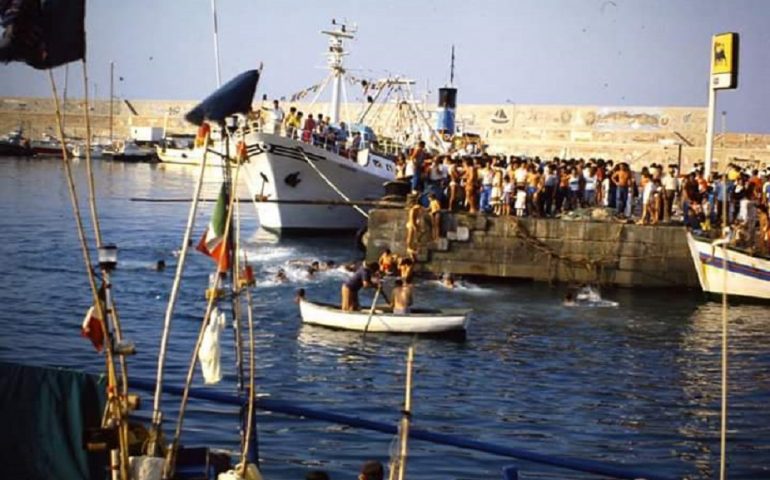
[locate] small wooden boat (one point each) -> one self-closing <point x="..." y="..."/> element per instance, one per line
<point x="419" y="320"/>
<point x="747" y="275"/>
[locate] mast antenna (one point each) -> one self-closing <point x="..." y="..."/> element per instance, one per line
<point x="452" y="68"/>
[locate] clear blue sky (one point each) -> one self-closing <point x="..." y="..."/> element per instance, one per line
<point x="598" y="52"/>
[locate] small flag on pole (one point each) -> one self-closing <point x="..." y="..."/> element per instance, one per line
<point x="92" y="329"/>
<point x="213" y="242"/>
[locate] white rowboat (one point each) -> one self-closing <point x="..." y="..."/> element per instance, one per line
<point x="423" y="321"/>
<point x="747" y="275"/>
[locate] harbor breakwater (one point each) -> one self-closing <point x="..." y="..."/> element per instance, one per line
<point x="637" y="135"/>
<point x="542" y="249"/>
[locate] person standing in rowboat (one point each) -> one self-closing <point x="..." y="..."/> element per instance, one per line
<point x="350" y="287"/>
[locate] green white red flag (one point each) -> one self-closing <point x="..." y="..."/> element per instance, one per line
<point x="213" y="242"/>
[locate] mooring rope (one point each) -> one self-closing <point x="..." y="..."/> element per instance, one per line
<point x="331" y="184"/>
<point x="168" y="471"/>
<point x="723" y="409"/>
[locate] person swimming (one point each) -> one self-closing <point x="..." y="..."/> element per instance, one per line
<point x="280" y="276"/>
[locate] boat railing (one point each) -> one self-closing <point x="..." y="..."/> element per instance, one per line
<point x="336" y="145"/>
<point x="509" y="472"/>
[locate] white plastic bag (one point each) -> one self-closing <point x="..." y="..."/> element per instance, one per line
<point x="210" y="352"/>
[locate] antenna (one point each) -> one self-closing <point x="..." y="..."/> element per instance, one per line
<point x="452" y="68"/>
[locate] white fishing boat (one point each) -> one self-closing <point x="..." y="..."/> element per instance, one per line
<point x="317" y="169"/>
<point x="747" y="275"/>
<point x="130" y="151"/>
<point x="79" y="151"/>
<point x="383" y="320"/>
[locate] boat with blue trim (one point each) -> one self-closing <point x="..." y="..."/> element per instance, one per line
<point x="748" y="273"/>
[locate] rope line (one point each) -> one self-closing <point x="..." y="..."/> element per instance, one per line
<point x="332" y="185"/>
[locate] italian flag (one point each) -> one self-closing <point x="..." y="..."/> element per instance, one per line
<point x="213" y="242"/>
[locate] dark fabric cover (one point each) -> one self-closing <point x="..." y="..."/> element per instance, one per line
<point x="43" y="413"/>
<point x="43" y="33"/>
<point x="233" y="97"/>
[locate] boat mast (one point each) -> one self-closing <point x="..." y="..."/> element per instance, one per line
<point x="112" y="86"/>
<point x="335" y="57"/>
<point x="216" y="42"/>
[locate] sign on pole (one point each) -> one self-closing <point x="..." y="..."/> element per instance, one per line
<point x="724" y="75"/>
<point x="724" y="61"/>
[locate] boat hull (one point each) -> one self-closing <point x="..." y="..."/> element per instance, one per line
<point x="747" y="275"/>
<point x="278" y="170"/>
<point x="426" y="322"/>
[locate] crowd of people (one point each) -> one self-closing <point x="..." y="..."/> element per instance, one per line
<point x="533" y="187"/>
<point x="316" y="130"/>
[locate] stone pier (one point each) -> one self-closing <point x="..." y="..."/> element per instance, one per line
<point x="542" y="249"/>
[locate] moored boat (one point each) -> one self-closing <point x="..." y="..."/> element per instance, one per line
<point x="129" y="151"/>
<point x="15" y="145"/>
<point x="383" y="320"/>
<point x="748" y="275"/>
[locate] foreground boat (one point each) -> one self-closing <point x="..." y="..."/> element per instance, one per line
<point x="383" y="320"/>
<point x="747" y="275"/>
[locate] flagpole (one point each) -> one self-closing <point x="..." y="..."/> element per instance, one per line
<point x="157" y="415"/>
<point x="216" y="42"/>
<point x="114" y="404"/>
<point x="168" y="471"/>
<point x="112" y="96"/>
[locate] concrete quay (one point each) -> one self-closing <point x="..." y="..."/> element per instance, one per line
<point x="542" y="249"/>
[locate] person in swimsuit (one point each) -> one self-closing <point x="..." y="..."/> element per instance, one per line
<point x="471" y="185"/>
<point x="413" y="221"/>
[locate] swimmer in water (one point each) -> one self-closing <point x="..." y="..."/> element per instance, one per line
<point x="569" y="299"/>
<point x="280" y="276"/>
<point x="448" y="280"/>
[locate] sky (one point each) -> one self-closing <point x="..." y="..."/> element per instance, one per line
<point x="576" y="52"/>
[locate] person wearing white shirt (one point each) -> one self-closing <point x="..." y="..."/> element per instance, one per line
<point x="670" y="185"/>
<point x="276" y="116"/>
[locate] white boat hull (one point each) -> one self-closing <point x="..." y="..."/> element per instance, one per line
<point x="427" y="322"/>
<point x="747" y="276"/>
<point x="278" y="170"/>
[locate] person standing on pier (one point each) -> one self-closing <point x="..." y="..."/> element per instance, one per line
<point x="434" y="208"/>
<point x="471" y="185"/>
<point x="418" y="156"/>
<point x="413" y="222"/>
<point x="622" y="180"/>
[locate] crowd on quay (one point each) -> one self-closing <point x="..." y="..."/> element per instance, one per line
<point x="534" y="187"/>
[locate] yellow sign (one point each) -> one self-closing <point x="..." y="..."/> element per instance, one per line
<point x="724" y="61"/>
<point x="722" y="53"/>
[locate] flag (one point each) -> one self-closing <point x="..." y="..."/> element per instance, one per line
<point x="233" y="97"/>
<point x="43" y="33"/>
<point x="213" y="242"/>
<point x="92" y="328"/>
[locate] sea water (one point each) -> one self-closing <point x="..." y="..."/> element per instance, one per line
<point x="637" y="384"/>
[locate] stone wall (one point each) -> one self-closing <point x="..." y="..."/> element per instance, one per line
<point x="543" y="249"/>
<point x="639" y="135"/>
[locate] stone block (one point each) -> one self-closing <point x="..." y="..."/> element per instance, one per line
<point x="451" y="235"/>
<point x="573" y="230"/>
<point x="480" y="222"/>
<point x="463" y="234"/>
<point x="442" y="244"/>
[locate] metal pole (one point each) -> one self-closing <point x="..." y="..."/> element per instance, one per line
<point x="112" y="90"/>
<point x="216" y="42"/>
<point x="707" y="158"/>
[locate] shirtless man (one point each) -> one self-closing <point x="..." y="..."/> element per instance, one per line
<point x="454" y="184"/>
<point x="413" y="221"/>
<point x="622" y="178"/>
<point x="471" y="183"/>
<point x="401" y="297"/>
<point x="434" y="208"/>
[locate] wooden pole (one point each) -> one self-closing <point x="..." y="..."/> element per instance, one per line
<point x="114" y="406"/>
<point x="157" y="415"/>
<point x="168" y="471"/>
<point x="371" y="310"/>
<point x="398" y="466"/>
<point x="112" y="96"/>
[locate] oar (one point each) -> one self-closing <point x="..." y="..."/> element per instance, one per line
<point x="371" y="311"/>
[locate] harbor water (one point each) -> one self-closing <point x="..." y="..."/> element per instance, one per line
<point x="637" y="384"/>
